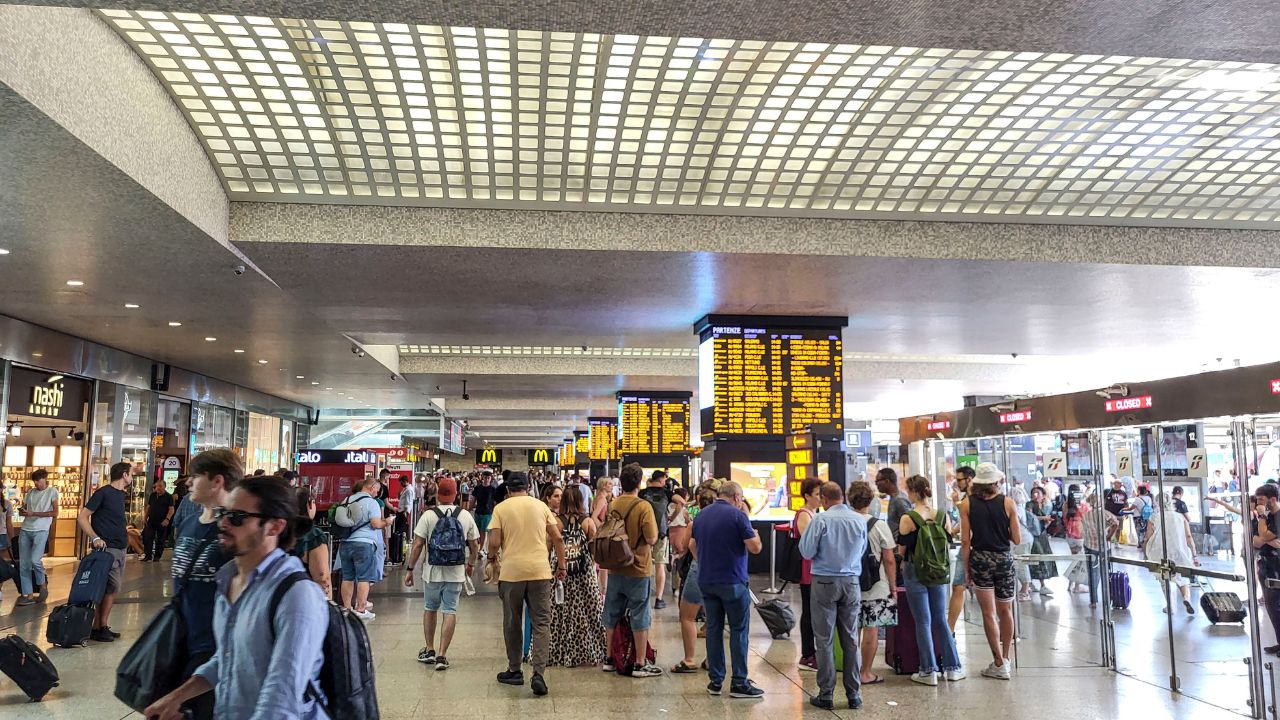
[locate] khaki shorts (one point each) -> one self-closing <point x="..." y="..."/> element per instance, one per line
<point x="117" y="569"/>
<point x="662" y="551"/>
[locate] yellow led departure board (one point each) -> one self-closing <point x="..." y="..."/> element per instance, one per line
<point x="603" y="438"/>
<point x="582" y="444"/>
<point x="568" y="454"/>
<point x="761" y="379"/>
<point x="653" y="423"/>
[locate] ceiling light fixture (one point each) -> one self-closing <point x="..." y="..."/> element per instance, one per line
<point x="1223" y="80"/>
<point x="299" y="377"/>
<point x="53" y="379"/>
<point x="328" y="388"/>
<point x="315" y="383"/>
<point x="238" y="350"/>
<point x="211" y="339"/>
<point x="175" y="324"/>
<point x="3" y="251"/>
<point x="262" y="362"/>
<point x="15" y="430"/>
<point x="131" y="306"/>
<point x="75" y="283"/>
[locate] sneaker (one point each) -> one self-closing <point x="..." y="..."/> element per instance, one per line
<point x="1046" y="592"/>
<point x="1190" y="609"/>
<point x="1272" y="650"/>
<point x="442" y="663"/>
<point x="924" y="678"/>
<point x="809" y="663"/>
<point x="114" y="634"/>
<point x="999" y="673"/>
<point x="819" y="701"/>
<point x="368" y="606"/>
<point x="511" y="677"/>
<point x="713" y="688"/>
<point x="24" y="600"/>
<point x="746" y="690"/>
<point x="365" y="616"/>
<point x="855" y="702"/>
<point x="659" y="604"/>
<point x="427" y="657"/>
<point x="538" y="684"/>
<point x="646" y="670"/>
<point x="954" y="675"/>
<point x="608" y="666"/>
<point x="102" y="635"/>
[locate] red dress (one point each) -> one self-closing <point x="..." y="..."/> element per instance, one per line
<point x="806" y="578"/>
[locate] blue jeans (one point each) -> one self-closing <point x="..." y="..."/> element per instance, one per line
<point x="31" y="544"/>
<point x="929" y="609"/>
<point x="734" y="601"/>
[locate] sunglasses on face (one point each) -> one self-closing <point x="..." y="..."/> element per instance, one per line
<point x="237" y="517"/>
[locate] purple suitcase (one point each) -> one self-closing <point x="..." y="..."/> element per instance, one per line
<point x="1120" y="591"/>
<point x="901" y="652"/>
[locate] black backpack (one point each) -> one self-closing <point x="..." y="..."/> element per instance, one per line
<point x="346" y="677"/>
<point x="870" y="562"/>
<point x="660" y="500"/>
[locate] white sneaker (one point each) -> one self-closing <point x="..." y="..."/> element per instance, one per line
<point x="647" y="670"/>
<point x="955" y="675"/>
<point x="365" y="616"/>
<point x="368" y="606"/>
<point x="999" y="673"/>
<point x="930" y="679"/>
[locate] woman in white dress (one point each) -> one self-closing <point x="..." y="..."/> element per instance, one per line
<point x="1178" y="540"/>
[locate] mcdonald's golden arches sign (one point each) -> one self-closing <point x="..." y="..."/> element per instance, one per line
<point x="542" y="456"/>
<point x="489" y="456"/>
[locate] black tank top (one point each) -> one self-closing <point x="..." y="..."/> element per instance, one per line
<point x="988" y="524"/>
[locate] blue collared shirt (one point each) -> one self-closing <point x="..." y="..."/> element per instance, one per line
<point x="254" y="677"/>
<point x="835" y="541"/>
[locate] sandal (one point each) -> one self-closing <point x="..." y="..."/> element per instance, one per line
<point x="683" y="667"/>
<point x="875" y="680"/>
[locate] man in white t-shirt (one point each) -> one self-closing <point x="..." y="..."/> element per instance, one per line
<point x="39" y="508"/>
<point x="442" y="584"/>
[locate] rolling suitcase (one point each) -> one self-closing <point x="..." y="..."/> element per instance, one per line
<point x="1119" y="589"/>
<point x="70" y="625"/>
<point x="1223" y="607"/>
<point x="777" y="616"/>
<point x="28" y="667"/>
<point x="395" y="549"/>
<point x="90" y="583"/>
<point x="901" y="651"/>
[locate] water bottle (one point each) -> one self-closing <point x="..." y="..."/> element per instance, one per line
<point x="558" y="593"/>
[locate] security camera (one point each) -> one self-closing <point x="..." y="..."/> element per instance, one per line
<point x="1013" y="355"/>
<point x="238" y="270"/>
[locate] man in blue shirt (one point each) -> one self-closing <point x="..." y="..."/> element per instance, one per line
<point x="835" y="542"/>
<point x="266" y="667"/>
<point x="722" y="537"/>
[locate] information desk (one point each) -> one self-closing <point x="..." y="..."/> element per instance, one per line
<point x="758" y="376"/>
<point x="652" y="423"/>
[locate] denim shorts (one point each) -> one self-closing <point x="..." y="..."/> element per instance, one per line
<point x="627" y="596"/>
<point x="359" y="562"/>
<point x="690" y="592"/>
<point x="442" y="597"/>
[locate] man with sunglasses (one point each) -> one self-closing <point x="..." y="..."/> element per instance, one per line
<point x="250" y="679"/>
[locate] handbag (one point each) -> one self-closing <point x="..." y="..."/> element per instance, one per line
<point x="153" y="667"/>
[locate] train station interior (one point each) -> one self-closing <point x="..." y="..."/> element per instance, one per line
<point x="558" y="238"/>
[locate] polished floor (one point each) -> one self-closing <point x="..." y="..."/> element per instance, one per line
<point x="1058" y="676"/>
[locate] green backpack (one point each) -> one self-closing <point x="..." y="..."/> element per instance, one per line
<point x="932" y="556"/>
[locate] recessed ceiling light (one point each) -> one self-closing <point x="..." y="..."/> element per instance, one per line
<point x="175" y="324"/>
<point x="238" y="350"/>
<point x="37" y="354"/>
<point x="262" y="362"/>
<point x="3" y="251"/>
<point x="131" y="306"/>
<point x="211" y="339"/>
<point x="300" y="377"/>
<point x="328" y="388"/>
<point x="75" y="283"/>
<point x="315" y="383"/>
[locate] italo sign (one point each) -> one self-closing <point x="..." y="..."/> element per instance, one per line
<point x="338" y="457"/>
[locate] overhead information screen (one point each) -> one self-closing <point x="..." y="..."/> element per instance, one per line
<point x="582" y="445"/>
<point x="771" y="375"/>
<point x="653" y="423"/>
<point x="568" y="454"/>
<point x="603" y="438"/>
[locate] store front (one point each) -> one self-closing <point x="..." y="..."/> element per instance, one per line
<point x="1205" y="442"/>
<point x="262" y="444"/>
<point x="47" y="427"/>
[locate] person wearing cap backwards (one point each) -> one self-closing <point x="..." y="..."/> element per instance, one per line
<point x="442" y="584"/>
<point x="988" y="531"/>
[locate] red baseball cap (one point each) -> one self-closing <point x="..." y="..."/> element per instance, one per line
<point x="446" y="490"/>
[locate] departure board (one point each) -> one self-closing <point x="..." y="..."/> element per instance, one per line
<point x="762" y="378"/>
<point x="653" y="423"/>
<point x="582" y="445"/>
<point x="568" y="454"/>
<point x="603" y="438"/>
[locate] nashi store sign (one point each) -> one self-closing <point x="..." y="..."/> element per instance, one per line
<point x="1138" y="402"/>
<point x="47" y="399"/>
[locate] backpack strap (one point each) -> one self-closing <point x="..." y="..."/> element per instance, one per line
<point x="915" y="518"/>
<point x="277" y="595"/>
<point x="439" y="515"/>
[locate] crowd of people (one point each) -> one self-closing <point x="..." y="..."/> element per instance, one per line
<point x="580" y="571"/>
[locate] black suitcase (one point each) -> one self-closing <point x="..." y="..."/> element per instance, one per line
<point x="70" y="625"/>
<point x="90" y="582"/>
<point x="777" y="617"/>
<point x="1223" y="607"/>
<point x="395" y="551"/>
<point x="28" y="667"/>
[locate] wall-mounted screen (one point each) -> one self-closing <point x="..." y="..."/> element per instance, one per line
<point x="764" y="487"/>
<point x="1172" y="451"/>
<point x="653" y="423"/>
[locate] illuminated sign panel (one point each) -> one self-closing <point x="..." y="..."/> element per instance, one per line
<point x="582" y="444"/>
<point x="801" y="466"/>
<point x="489" y="456"/>
<point x="764" y="379"/>
<point x="1275" y="387"/>
<point x="568" y="454"/>
<point x="653" y="423"/>
<point x="603" y="438"/>
<point x="1141" y="402"/>
<point x="938" y="425"/>
<point x="542" y="456"/>
<point x="1014" y="417"/>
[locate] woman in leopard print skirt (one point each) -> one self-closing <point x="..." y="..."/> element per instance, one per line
<point x="577" y="637"/>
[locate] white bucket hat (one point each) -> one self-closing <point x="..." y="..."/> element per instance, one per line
<point x="987" y="474"/>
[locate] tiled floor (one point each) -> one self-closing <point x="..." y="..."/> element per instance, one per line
<point x="1058" y="677"/>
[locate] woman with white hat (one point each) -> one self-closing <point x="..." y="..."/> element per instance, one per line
<point x="988" y="530"/>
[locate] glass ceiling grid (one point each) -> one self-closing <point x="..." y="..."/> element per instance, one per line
<point x="348" y="111"/>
